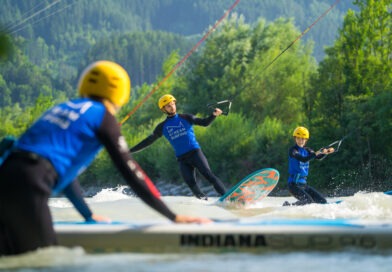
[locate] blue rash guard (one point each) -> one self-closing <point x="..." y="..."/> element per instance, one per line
<point x="71" y="134"/>
<point x="178" y="130"/>
<point x="48" y="157"/>
<point x="299" y="158"/>
<point x="72" y="144"/>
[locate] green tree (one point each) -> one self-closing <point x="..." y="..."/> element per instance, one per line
<point x="352" y="81"/>
<point x="255" y="132"/>
<point x="5" y="44"/>
<point x="141" y="53"/>
<point x="236" y="60"/>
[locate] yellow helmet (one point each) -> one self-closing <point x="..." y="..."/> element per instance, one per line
<point x="106" y="79"/>
<point x="165" y="99"/>
<point x="301" y="132"/>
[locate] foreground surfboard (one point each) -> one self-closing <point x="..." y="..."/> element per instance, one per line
<point x="236" y="235"/>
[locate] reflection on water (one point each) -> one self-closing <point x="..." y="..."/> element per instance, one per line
<point x="60" y="259"/>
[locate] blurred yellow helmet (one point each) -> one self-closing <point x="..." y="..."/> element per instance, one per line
<point x="106" y="79"/>
<point x="165" y="99"/>
<point x="301" y="132"/>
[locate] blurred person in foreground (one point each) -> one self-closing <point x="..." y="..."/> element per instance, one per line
<point x="49" y="156"/>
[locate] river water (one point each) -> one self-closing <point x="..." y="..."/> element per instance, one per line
<point x="122" y="207"/>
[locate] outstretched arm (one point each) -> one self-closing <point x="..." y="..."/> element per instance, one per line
<point x="143" y="144"/>
<point x="157" y="133"/>
<point x="294" y="153"/>
<point x="74" y="193"/>
<point x="204" y="122"/>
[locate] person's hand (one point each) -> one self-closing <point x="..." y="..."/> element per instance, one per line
<point x="326" y="151"/>
<point x="217" y="112"/>
<point x="184" y="219"/>
<point x="100" y="218"/>
<point x="330" y="150"/>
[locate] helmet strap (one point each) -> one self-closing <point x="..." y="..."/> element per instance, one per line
<point x="168" y="114"/>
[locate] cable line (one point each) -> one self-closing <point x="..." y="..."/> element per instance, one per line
<point x="303" y="33"/>
<point x="42" y="18"/>
<point x="179" y="63"/>
<point x="32" y="13"/>
<point x="291" y="44"/>
<point x="8" y="27"/>
<point x="11" y="29"/>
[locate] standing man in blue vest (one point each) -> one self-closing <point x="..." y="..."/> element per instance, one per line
<point x="178" y="130"/>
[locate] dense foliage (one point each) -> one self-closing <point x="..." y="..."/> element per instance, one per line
<point x="347" y="93"/>
<point x="60" y="37"/>
<point x="353" y="90"/>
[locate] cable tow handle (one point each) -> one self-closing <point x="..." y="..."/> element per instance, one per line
<point x="335" y="145"/>
<point x="225" y="110"/>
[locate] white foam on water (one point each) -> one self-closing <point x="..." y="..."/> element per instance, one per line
<point x="373" y="207"/>
<point x="110" y="194"/>
<point x="113" y="202"/>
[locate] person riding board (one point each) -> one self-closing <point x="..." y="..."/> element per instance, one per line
<point x="299" y="158"/>
<point x="178" y="130"/>
<point x="54" y="151"/>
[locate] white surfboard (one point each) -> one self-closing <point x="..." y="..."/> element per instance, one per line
<point x="233" y="235"/>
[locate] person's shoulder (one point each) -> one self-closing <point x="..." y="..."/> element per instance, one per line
<point x="159" y="128"/>
<point x="308" y="149"/>
<point x="84" y="103"/>
<point x="293" y="150"/>
<point x="186" y="116"/>
<point x="294" y="147"/>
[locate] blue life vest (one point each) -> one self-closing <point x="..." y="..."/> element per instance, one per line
<point x="298" y="170"/>
<point x="66" y="136"/>
<point x="179" y="132"/>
